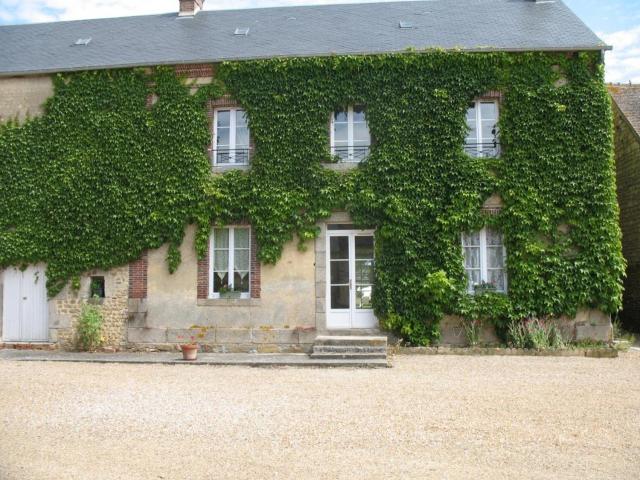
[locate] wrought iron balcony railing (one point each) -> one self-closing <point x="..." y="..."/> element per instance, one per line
<point x="483" y="150"/>
<point x="353" y="154"/>
<point x="231" y="156"/>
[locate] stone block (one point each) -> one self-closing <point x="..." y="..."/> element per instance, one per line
<point x="274" y="335"/>
<point x="183" y="335"/>
<point x="452" y="332"/>
<point x="594" y="332"/>
<point x="138" y="320"/>
<point x="596" y="317"/>
<point x="307" y="336"/>
<point x="137" y="305"/>
<point x="321" y="289"/>
<point x="321" y="274"/>
<point x="320" y="305"/>
<point x="147" y="335"/>
<point x="233" y="335"/>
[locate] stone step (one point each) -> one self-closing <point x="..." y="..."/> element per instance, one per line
<point x="351" y="340"/>
<point x="349" y="349"/>
<point x="348" y="356"/>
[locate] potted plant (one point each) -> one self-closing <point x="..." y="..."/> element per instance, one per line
<point x="229" y="292"/>
<point x="190" y="349"/>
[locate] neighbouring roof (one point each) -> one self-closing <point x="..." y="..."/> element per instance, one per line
<point x="627" y="98"/>
<point x="471" y="25"/>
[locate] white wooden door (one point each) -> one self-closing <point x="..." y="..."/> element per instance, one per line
<point x="350" y="263"/>
<point x="25" y="305"/>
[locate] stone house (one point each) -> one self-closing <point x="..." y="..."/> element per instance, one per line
<point x="626" y="103"/>
<point x="281" y="307"/>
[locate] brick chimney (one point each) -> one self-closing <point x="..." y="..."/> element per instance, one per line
<point x="188" y="8"/>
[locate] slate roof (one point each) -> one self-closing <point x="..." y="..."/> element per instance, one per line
<point x="472" y="25"/>
<point x="627" y="98"/>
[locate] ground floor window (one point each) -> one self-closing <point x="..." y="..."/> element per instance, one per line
<point x="484" y="260"/>
<point x="230" y="262"/>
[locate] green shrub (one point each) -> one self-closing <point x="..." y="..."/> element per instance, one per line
<point x="535" y="334"/>
<point x="89" y="328"/>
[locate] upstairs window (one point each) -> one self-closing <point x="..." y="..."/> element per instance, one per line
<point x="231" y="144"/>
<point x="230" y="262"/>
<point x="484" y="260"/>
<point x="482" y="122"/>
<point x="350" y="138"/>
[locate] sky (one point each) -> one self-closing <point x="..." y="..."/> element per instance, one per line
<point x="617" y="22"/>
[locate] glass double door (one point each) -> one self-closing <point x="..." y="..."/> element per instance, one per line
<point x="350" y="267"/>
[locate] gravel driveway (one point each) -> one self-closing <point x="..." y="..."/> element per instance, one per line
<point x="429" y="417"/>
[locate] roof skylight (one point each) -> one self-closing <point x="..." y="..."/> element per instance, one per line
<point x="241" y="31"/>
<point x="83" y="41"/>
<point x="404" y="24"/>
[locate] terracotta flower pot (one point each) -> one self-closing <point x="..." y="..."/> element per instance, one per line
<point x="189" y="351"/>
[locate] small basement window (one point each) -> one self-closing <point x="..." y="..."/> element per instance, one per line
<point x="96" y="288"/>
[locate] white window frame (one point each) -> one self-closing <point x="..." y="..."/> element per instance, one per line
<point x="484" y="269"/>
<point x="232" y="137"/>
<point x="350" y="141"/>
<point x="230" y="266"/>
<point x="479" y="144"/>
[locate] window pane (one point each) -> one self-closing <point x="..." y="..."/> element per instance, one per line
<point x="339" y="272"/>
<point x="221" y="238"/>
<point x="363" y="297"/>
<point x="472" y="257"/>
<point x="471" y="239"/>
<point x="364" y="247"/>
<point x="488" y="111"/>
<point x="242" y="130"/>
<point x="220" y="279"/>
<point x="220" y="260"/>
<point x="364" y="272"/>
<point x="359" y="113"/>
<point x="471" y="112"/>
<point x="340" y="133"/>
<point x="241" y="260"/>
<point x="224" y="119"/>
<point x="496" y="278"/>
<point x="339" y="247"/>
<point x="495" y="257"/>
<point x="494" y="237"/>
<point x="222" y="137"/>
<point x="340" y="116"/>
<point x="241" y="238"/>
<point x="473" y="278"/>
<point x="241" y="281"/>
<point x="340" y="297"/>
<point x="361" y="134"/>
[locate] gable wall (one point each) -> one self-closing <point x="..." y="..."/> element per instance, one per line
<point x="627" y="147"/>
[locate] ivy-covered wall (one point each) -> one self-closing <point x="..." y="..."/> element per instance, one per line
<point x="102" y="176"/>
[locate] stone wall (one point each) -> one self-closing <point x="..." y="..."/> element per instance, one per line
<point x="22" y="97"/>
<point x="627" y="147"/>
<point x="587" y="325"/>
<point x="281" y="319"/>
<point x="67" y="306"/>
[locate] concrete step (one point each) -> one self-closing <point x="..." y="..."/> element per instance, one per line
<point x="351" y="340"/>
<point x="349" y="349"/>
<point x="348" y="356"/>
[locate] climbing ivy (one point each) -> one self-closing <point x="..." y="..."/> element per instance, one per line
<point x="101" y="176"/>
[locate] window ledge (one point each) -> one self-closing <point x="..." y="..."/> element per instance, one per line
<point x="341" y="166"/>
<point x="226" y="168"/>
<point x="228" y="302"/>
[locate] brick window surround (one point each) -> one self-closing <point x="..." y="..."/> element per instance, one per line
<point x="138" y="277"/>
<point x="203" y="271"/>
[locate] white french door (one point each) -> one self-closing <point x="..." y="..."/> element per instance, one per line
<point x="350" y="269"/>
<point x="24" y="305"/>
